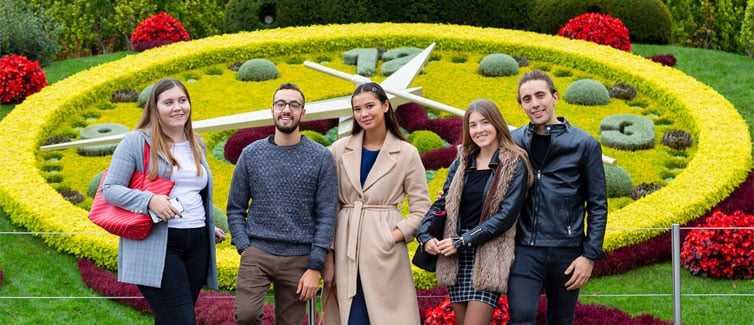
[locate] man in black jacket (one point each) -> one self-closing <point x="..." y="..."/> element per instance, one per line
<point x="553" y="250"/>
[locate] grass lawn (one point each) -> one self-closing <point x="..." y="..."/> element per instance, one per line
<point x="32" y="269"/>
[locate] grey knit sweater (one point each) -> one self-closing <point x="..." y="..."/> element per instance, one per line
<point x="283" y="199"/>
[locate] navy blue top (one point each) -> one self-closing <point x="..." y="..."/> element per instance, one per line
<point x="368" y="157"/>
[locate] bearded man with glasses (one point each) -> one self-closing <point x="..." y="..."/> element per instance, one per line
<point x="281" y="214"/>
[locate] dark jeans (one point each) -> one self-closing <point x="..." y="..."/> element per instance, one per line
<point x="537" y="268"/>
<point x="185" y="273"/>
<point x="358" y="314"/>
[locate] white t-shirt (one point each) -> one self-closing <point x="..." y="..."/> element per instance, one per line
<point x="187" y="188"/>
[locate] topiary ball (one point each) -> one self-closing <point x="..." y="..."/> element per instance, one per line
<point x="425" y="141"/>
<point x="618" y="181"/>
<point x="587" y="92"/>
<point x="144" y="96"/>
<point x="221" y="219"/>
<point x="316" y="137"/>
<point x="498" y="65"/>
<point x="257" y="70"/>
<point x="91" y="190"/>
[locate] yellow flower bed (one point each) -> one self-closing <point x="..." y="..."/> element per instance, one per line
<point x="721" y="162"/>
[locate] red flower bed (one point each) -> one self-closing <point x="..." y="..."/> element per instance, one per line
<point x="585" y="314"/>
<point x="598" y="28"/>
<point x="158" y="30"/>
<point x="725" y="252"/>
<point x="412" y="117"/>
<point x="19" y="78"/>
<point x="658" y="249"/>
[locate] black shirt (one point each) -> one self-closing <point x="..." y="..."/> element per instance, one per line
<point x="472" y="199"/>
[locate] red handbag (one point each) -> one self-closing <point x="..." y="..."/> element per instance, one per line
<point x="124" y="223"/>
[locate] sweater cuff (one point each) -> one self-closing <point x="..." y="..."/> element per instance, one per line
<point x="317" y="258"/>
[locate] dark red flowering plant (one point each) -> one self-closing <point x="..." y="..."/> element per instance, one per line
<point x="726" y="251"/>
<point x="158" y="30"/>
<point x="598" y="28"/>
<point x="19" y="78"/>
<point x="443" y="313"/>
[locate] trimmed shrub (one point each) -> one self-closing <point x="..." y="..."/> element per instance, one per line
<point x="746" y="36"/>
<point x="257" y="70"/>
<point x="598" y="28"/>
<point x="721" y="253"/>
<point x="245" y="15"/>
<point x="587" y="92"/>
<point x="144" y="96"/>
<point x="449" y="128"/>
<point x="396" y="58"/>
<point x="316" y="137"/>
<point x="664" y="59"/>
<point x="213" y="71"/>
<point x="548" y="16"/>
<point x="55" y="139"/>
<point x="72" y="196"/>
<point x="91" y="190"/>
<point x="412" y="116"/>
<point x="498" y="64"/>
<point x="648" y="21"/>
<point x="98" y="131"/>
<point x="27" y="31"/>
<point x="641" y="190"/>
<point x="522" y="61"/>
<point x="20" y="78"/>
<point x="243" y="138"/>
<point x="439" y="158"/>
<point x="425" y="141"/>
<point x="364" y="59"/>
<point x="627" y="132"/>
<point x="622" y="91"/>
<point x="158" y="30"/>
<point x="677" y="139"/>
<point x="221" y="219"/>
<point x="618" y="181"/>
<point x="124" y="95"/>
<point x="319" y="126"/>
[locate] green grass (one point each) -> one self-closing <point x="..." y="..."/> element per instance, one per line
<point x="701" y="305"/>
<point x="32" y="269"/>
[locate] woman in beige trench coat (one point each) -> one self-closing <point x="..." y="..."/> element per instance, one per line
<point x="377" y="169"/>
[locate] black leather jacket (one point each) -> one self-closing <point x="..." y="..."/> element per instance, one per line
<point x="569" y="185"/>
<point x="497" y="223"/>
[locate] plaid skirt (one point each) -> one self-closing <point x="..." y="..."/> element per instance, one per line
<point x="464" y="291"/>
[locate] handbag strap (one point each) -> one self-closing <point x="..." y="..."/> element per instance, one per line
<point x="146" y="157"/>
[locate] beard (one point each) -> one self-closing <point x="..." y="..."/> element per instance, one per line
<point x="287" y="129"/>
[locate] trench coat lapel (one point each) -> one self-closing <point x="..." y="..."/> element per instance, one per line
<point x="352" y="160"/>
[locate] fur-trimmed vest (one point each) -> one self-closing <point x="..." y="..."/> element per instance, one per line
<point x="493" y="258"/>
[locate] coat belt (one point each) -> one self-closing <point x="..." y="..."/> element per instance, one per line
<point x="353" y="226"/>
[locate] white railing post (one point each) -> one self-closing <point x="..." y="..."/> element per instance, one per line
<point x="676" y="238"/>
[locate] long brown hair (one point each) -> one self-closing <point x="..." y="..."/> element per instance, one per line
<point x="161" y="142"/>
<point x="391" y="119"/>
<point x="491" y="113"/>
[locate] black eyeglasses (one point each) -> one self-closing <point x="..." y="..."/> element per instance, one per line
<point x="280" y="105"/>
